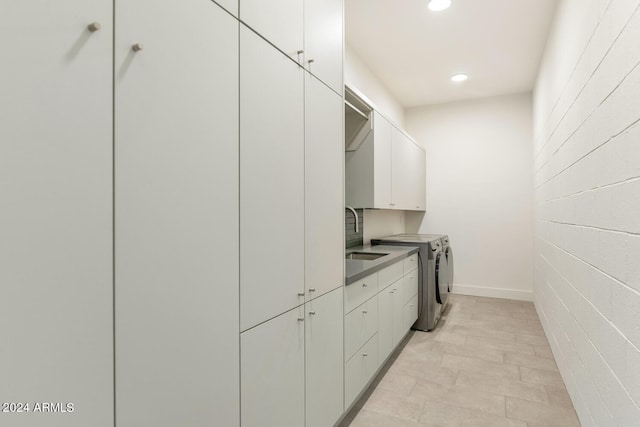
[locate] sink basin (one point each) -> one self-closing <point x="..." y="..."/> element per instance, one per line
<point x="367" y="256"/>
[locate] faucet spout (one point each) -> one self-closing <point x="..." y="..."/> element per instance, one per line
<point x="355" y="214"/>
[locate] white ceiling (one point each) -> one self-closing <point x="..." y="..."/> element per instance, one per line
<point x="415" y="51"/>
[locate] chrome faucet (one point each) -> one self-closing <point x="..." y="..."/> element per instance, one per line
<point x="355" y="214"/>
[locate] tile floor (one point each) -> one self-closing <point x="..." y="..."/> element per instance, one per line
<point x="488" y="363"/>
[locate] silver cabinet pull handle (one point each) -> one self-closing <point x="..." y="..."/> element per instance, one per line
<point x="300" y="294"/>
<point x="137" y="47"/>
<point x="312" y="289"/>
<point x="364" y="285"/>
<point x="311" y="61"/>
<point x="94" y="26"/>
<point x="300" y="319"/>
<point x="365" y="354"/>
<point x="364" y="311"/>
<point x="312" y="313"/>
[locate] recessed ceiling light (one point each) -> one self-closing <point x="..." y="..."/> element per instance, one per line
<point x="438" y="5"/>
<point x="459" y="78"/>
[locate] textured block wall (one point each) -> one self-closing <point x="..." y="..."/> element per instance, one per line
<point x="587" y="205"/>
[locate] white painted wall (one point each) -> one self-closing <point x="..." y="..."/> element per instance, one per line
<point x="480" y="190"/>
<point x="357" y="74"/>
<point x="381" y="223"/>
<point x="377" y="223"/>
<point x="587" y="196"/>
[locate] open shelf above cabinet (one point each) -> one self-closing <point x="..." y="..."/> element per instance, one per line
<point x="358" y="119"/>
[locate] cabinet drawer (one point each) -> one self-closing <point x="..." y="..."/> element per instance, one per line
<point x="360" y="291"/>
<point x="390" y="274"/>
<point x="359" y="369"/>
<point x="410" y="314"/>
<point x="410" y="263"/>
<point x="410" y="286"/>
<point x="360" y="325"/>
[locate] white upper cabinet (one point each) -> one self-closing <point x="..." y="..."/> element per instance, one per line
<point x="272" y="179"/>
<point x="403" y="180"/>
<point x="56" y="221"/>
<point x="281" y="22"/>
<point x="419" y="176"/>
<point x="324" y="40"/>
<point x="382" y="143"/>
<point x="386" y="171"/>
<point x="176" y="218"/>
<point x="324" y="226"/>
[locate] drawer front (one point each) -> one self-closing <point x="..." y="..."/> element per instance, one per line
<point x="410" y="314"/>
<point x="359" y="370"/>
<point x="390" y="274"/>
<point x="410" y="263"/>
<point x="360" y="325"/>
<point x="358" y="292"/>
<point x="410" y="284"/>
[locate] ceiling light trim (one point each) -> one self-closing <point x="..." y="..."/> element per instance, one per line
<point x="459" y="78"/>
<point x="438" y="5"/>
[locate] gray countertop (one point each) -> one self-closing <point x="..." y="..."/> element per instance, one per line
<point x="358" y="269"/>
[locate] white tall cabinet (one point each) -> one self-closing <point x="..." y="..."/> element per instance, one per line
<point x="172" y="212"/>
<point x="56" y="304"/>
<point x="323" y="38"/>
<point x="324" y="216"/>
<point x="271" y="181"/>
<point x="176" y="215"/>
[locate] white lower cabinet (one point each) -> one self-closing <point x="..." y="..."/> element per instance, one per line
<point x="374" y="328"/>
<point x="272" y="372"/>
<point x="410" y="314"/>
<point x="385" y="324"/>
<point x="360" y="325"/>
<point x="391" y="327"/>
<point x="410" y="286"/>
<point x="359" y="369"/>
<point x="398" y="305"/>
<point x="292" y="371"/>
<point x="324" y="360"/>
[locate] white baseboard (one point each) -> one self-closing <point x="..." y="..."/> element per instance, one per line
<point x="483" y="291"/>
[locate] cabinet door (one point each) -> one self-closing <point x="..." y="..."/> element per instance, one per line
<point x="385" y="322"/>
<point x="272" y="371"/>
<point x="402" y="184"/>
<point x="410" y="313"/>
<point x="360" y="369"/>
<point x="176" y="176"/>
<point x="360" y="325"/>
<point x="280" y="22"/>
<point x="324" y="360"/>
<point x="271" y="181"/>
<point x="324" y="211"/>
<point x="398" y="312"/>
<point x="323" y="40"/>
<point x="420" y="159"/>
<point x="230" y="5"/>
<point x="382" y="163"/>
<point x="56" y="217"/>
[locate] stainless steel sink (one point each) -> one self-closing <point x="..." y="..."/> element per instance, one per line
<point x="367" y="256"/>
